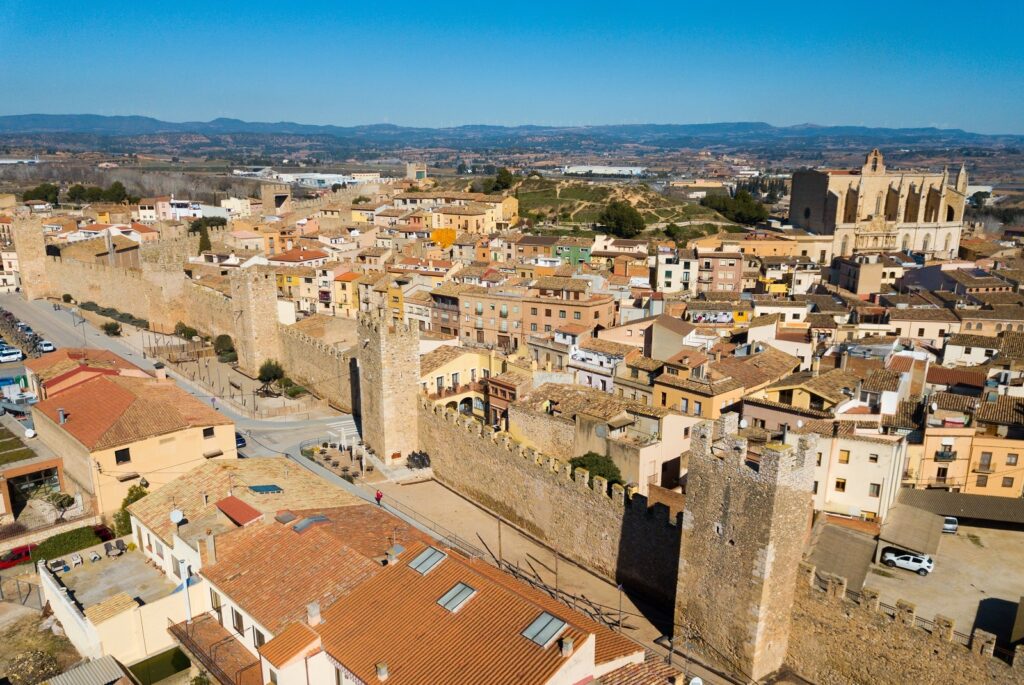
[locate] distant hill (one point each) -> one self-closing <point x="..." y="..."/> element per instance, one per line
<point x="475" y="136"/>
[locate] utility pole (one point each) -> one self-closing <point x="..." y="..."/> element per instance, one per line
<point x="499" y="542"/>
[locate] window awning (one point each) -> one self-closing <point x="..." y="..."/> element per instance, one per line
<point x="213" y="453"/>
<point x="127" y="476"/>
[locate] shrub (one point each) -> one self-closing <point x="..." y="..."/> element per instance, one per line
<point x="295" y="391"/>
<point x="112" y="328"/>
<point x="223" y="344"/>
<point x="598" y="465"/>
<point x="271" y="371"/>
<point x="286" y="382"/>
<point x="66" y="297"/>
<point x="109" y="312"/>
<point x="89" y="306"/>
<point x="183" y="330"/>
<point x="122" y="520"/>
<point x="65" y="543"/>
<point x="228" y="357"/>
<point x="140" y="323"/>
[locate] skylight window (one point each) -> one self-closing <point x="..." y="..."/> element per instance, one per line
<point x="544" y="629"/>
<point x="456" y="597"/>
<point x="426" y="560"/>
<point x="307" y="522"/>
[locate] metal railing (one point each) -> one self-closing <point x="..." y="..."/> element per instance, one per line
<point x="206" y="655"/>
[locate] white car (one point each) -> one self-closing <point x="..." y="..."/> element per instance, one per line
<point x="45" y="346"/>
<point x="921" y="564"/>
<point x="11" y="355"/>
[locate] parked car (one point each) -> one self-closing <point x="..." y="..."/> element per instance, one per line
<point x="45" y="346"/>
<point x="921" y="564"/>
<point x="11" y="355"/>
<point x="950" y="524"/>
<point x="239" y="440"/>
<point x="18" y="555"/>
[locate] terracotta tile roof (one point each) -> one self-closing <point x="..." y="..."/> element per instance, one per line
<point x="688" y="356"/>
<point x="923" y="314"/>
<point x="65" y="359"/>
<point x="108" y="411"/>
<point x="347" y="277"/>
<point x="238" y="511"/>
<point x="194" y="494"/>
<point x="881" y="380"/>
<point x="274" y="571"/>
<point x="828" y="384"/>
<point x="974" y="340"/>
<point x="1005" y="411"/>
<point x="110" y="607"/>
<point x="909" y="415"/>
<point x="298" y="255"/>
<point x="952" y="401"/>
<point x="606" y="347"/>
<point x="763" y="367"/>
<point x="298" y="639"/>
<point x="940" y="375"/>
<point x="570" y="400"/>
<point x="362" y="630"/>
<point x="442" y="355"/>
<point x="675" y="325"/>
<point x="559" y="283"/>
<point x="643" y="363"/>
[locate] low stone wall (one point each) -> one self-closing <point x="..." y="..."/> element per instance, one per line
<point x="837" y="640"/>
<point x="616" y="536"/>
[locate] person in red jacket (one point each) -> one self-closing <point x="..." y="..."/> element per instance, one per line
<point x="379" y="496"/>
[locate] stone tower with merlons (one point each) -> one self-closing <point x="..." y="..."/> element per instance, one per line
<point x="389" y="375"/>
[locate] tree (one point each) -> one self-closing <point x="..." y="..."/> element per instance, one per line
<point x="503" y="180"/>
<point x="44" y="191"/>
<point x="60" y="501"/>
<point x="462" y="168"/>
<point x="115" y="192"/>
<point x="93" y="194"/>
<point x="360" y="200"/>
<point x="183" y="330"/>
<point x="743" y="209"/>
<point x="622" y="219"/>
<point x="204" y="240"/>
<point x="112" y="328"/>
<point x="335" y="187"/>
<point x="76" y="193"/>
<point x="122" y="520"/>
<point x="979" y="198"/>
<point x="223" y="344"/>
<point x="598" y="465"/>
<point x="270" y="371"/>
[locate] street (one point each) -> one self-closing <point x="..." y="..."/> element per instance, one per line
<point x="265" y="437"/>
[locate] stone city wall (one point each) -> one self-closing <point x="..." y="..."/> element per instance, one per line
<point x="616" y="536"/>
<point x="552" y="435"/>
<point x="124" y="289"/>
<point x="323" y="369"/>
<point x="836" y="640"/>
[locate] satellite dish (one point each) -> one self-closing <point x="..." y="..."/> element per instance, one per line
<point x="935" y="406"/>
<point x="800" y="423"/>
<point x="743" y="423"/>
<point x="29" y="433"/>
<point x="696" y="681"/>
<point x="177" y="516"/>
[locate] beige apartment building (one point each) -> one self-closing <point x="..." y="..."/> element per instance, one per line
<point x="874" y="209"/>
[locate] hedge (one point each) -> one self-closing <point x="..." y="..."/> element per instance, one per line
<point x="65" y="543"/>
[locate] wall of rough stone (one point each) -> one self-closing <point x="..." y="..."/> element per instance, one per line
<point x="837" y="641"/>
<point x="324" y="369"/>
<point x="389" y="376"/>
<point x="124" y="289"/>
<point x="616" y="536"/>
<point x="552" y="435"/>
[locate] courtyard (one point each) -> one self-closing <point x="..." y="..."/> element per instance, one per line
<point x="95" y="582"/>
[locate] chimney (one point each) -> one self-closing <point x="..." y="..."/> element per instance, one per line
<point x="211" y="550"/>
<point x="844" y="359"/>
<point x="206" y="498"/>
<point x="815" y="366"/>
<point x="566" y="646"/>
<point x="382" y="671"/>
<point x="313" y="614"/>
<point x="62" y="417"/>
<point x="160" y="370"/>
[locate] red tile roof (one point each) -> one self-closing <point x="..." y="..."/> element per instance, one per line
<point x="238" y="511"/>
<point x="940" y="375"/>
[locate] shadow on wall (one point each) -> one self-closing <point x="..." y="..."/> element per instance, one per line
<point x="997" y="616"/>
<point x="648" y="560"/>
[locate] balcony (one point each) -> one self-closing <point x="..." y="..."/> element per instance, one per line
<point x="460" y="389"/>
<point x="945" y="455"/>
<point x="219" y="652"/>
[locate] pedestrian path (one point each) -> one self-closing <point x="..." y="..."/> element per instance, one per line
<point x="344" y="429"/>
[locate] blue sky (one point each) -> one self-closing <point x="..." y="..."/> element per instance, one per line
<point x="556" y="62"/>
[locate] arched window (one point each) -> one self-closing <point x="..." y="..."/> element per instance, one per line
<point x="999" y="327"/>
<point x="906" y="242"/>
<point x="926" y="244"/>
<point x="949" y="242"/>
<point x="950" y="213"/>
<point x="844" y="245"/>
<point x="967" y="326"/>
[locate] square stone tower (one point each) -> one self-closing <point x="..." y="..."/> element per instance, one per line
<point x="30" y="245"/>
<point x="388" y="355"/>
<point x="254" y="307"/>
<point x="744" y="526"/>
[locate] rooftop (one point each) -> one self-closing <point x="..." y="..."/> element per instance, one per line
<point x="101" y="587"/>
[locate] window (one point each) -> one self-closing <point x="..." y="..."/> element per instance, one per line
<point x="547" y="313"/>
<point x="258" y="638"/>
<point x="426" y="560"/>
<point x="215" y="603"/>
<point x="981" y="481"/>
<point x="873" y="458"/>
<point x="920" y="332"/>
<point x="122" y="456"/>
<point x="273" y="676"/>
<point x="208" y="432"/>
<point x="456" y="597"/>
<point x="533" y="327"/>
<point x="533" y="311"/>
<point x="664" y="399"/>
<point x="840" y="485"/>
<point x="577" y="315"/>
<point x="1011" y="459"/>
<point x="815" y="489"/>
<point x="985" y="463"/>
<point x="697" y="409"/>
<point x="237" y="622"/>
<point x="819" y="459"/>
<point x="844" y="456"/>
<point x="875" y="490"/>
<point x="684" y="405"/>
<point x="544" y="629"/>
<point x="1007" y="481"/>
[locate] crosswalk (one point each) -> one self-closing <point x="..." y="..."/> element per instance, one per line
<point x="344" y="429"/>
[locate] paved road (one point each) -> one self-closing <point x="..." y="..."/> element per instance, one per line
<point x="265" y="436"/>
